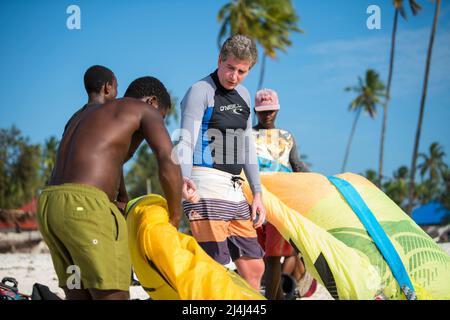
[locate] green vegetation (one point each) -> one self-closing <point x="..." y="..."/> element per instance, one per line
<point x="24" y="167"/>
<point x="268" y="22"/>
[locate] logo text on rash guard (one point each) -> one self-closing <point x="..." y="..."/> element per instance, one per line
<point x="236" y="108"/>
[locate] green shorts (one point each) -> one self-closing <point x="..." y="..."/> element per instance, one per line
<point x="87" y="237"/>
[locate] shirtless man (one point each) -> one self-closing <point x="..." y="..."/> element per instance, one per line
<point x="101" y="86"/>
<point x="76" y="212"/>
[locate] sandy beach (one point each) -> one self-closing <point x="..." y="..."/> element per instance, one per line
<point x="36" y="266"/>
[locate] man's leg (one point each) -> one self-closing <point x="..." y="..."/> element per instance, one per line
<point x="251" y="270"/>
<point x="273" y="279"/>
<point x="109" y="294"/>
<point x="289" y="265"/>
<point x="299" y="270"/>
<point x="95" y="294"/>
<point x="77" y="294"/>
<point x="293" y="266"/>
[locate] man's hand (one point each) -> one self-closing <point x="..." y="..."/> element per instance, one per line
<point x="258" y="211"/>
<point x="190" y="191"/>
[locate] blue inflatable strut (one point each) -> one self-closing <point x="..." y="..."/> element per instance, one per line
<point x="377" y="233"/>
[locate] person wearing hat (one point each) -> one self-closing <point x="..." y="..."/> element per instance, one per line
<point x="276" y="151"/>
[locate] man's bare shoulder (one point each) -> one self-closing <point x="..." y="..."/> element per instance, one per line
<point x="129" y="103"/>
<point x="135" y="110"/>
<point x="126" y="107"/>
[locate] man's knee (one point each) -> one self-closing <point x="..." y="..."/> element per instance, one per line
<point x="250" y="268"/>
<point x="260" y="267"/>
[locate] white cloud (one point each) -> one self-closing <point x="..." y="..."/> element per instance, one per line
<point x="340" y="60"/>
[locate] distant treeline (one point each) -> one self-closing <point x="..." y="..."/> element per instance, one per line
<point x="26" y="167"/>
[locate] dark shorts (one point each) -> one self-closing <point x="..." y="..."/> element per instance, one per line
<point x="273" y="242"/>
<point x="221" y="221"/>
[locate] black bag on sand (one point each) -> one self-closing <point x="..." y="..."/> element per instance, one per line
<point x="289" y="286"/>
<point x="42" y="292"/>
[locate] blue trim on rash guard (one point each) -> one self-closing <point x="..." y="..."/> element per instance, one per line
<point x="202" y="158"/>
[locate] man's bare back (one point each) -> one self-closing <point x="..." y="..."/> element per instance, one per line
<point x="94" y="147"/>
<point x="101" y="138"/>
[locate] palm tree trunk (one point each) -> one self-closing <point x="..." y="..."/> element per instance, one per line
<point x="422" y="107"/>
<point x="387" y="98"/>
<point x="263" y="68"/>
<point x="352" y="133"/>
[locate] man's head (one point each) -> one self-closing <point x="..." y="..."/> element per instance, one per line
<point x="237" y="56"/>
<point x="266" y="107"/>
<point x="151" y="91"/>
<point x="100" y="81"/>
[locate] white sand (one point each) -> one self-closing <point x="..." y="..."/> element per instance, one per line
<point x="31" y="268"/>
<point x="37" y="267"/>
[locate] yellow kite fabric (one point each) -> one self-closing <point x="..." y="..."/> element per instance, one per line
<point x="171" y="265"/>
<point x="311" y="213"/>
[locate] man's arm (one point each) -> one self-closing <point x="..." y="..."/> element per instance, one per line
<point x="294" y="159"/>
<point x="157" y="137"/>
<point x="192" y="110"/>
<point x="251" y="169"/>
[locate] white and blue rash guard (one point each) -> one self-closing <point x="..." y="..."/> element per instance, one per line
<point x="216" y="131"/>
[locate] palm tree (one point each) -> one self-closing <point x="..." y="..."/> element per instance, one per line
<point x="19" y="168"/>
<point x="422" y="107"/>
<point x="445" y="195"/>
<point x="401" y="173"/>
<point x="172" y="114"/>
<point x="433" y="164"/>
<point x="371" y="175"/>
<point x="268" y="22"/>
<point x="49" y="157"/>
<point x="142" y="177"/>
<point x="369" y="93"/>
<point x="26" y="171"/>
<point x="397" y="187"/>
<point x="398" y="5"/>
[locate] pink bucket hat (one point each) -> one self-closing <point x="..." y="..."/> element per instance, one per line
<point x="266" y="100"/>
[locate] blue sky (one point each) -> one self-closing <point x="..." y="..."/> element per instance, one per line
<point x="42" y="65"/>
